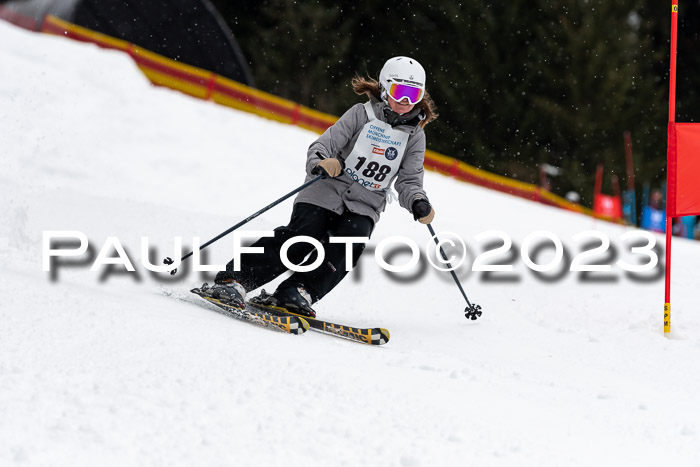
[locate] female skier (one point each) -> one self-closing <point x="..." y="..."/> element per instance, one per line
<point x="368" y="148"/>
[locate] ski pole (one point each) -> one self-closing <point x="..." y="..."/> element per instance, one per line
<point x="472" y="311"/>
<point x="169" y="260"/>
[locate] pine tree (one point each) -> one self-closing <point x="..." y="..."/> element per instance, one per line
<point x="517" y="83"/>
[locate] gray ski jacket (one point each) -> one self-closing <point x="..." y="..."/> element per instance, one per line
<point x="342" y="193"/>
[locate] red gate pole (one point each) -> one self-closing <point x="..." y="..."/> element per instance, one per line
<point x="671" y="122"/>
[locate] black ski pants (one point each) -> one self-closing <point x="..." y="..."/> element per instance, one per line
<point x="257" y="269"/>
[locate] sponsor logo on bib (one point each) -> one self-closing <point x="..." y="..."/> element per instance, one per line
<point x="365" y="183"/>
<point x="391" y="153"/>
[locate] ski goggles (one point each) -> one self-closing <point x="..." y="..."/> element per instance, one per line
<point x="399" y="91"/>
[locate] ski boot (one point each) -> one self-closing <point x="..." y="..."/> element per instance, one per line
<point x="229" y="292"/>
<point x="293" y="299"/>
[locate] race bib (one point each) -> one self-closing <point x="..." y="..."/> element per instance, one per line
<point x="375" y="159"/>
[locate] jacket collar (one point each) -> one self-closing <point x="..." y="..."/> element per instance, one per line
<point x="408" y="122"/>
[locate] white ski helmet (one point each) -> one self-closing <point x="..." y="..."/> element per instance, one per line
<point x="407" y="77"/>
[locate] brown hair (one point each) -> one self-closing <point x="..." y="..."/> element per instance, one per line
<point x="369" y="86"/>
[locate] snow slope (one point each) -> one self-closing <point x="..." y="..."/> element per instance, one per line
<point x="112" y="368"/>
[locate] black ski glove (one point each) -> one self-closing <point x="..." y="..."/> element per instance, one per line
<point x="423" y="212"/>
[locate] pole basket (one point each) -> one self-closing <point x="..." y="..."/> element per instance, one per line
<point x="473" y="311"/>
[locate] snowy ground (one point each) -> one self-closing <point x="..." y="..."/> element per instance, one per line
<point x="112" y="368"/>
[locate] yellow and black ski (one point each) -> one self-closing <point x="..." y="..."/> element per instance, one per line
<point x="371" y="336"/>
<point x="260" y="317"/>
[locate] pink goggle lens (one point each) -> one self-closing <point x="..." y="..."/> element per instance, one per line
<point x="400" y="91"/>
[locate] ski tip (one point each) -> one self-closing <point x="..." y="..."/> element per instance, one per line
<point x="381" y="337"/>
